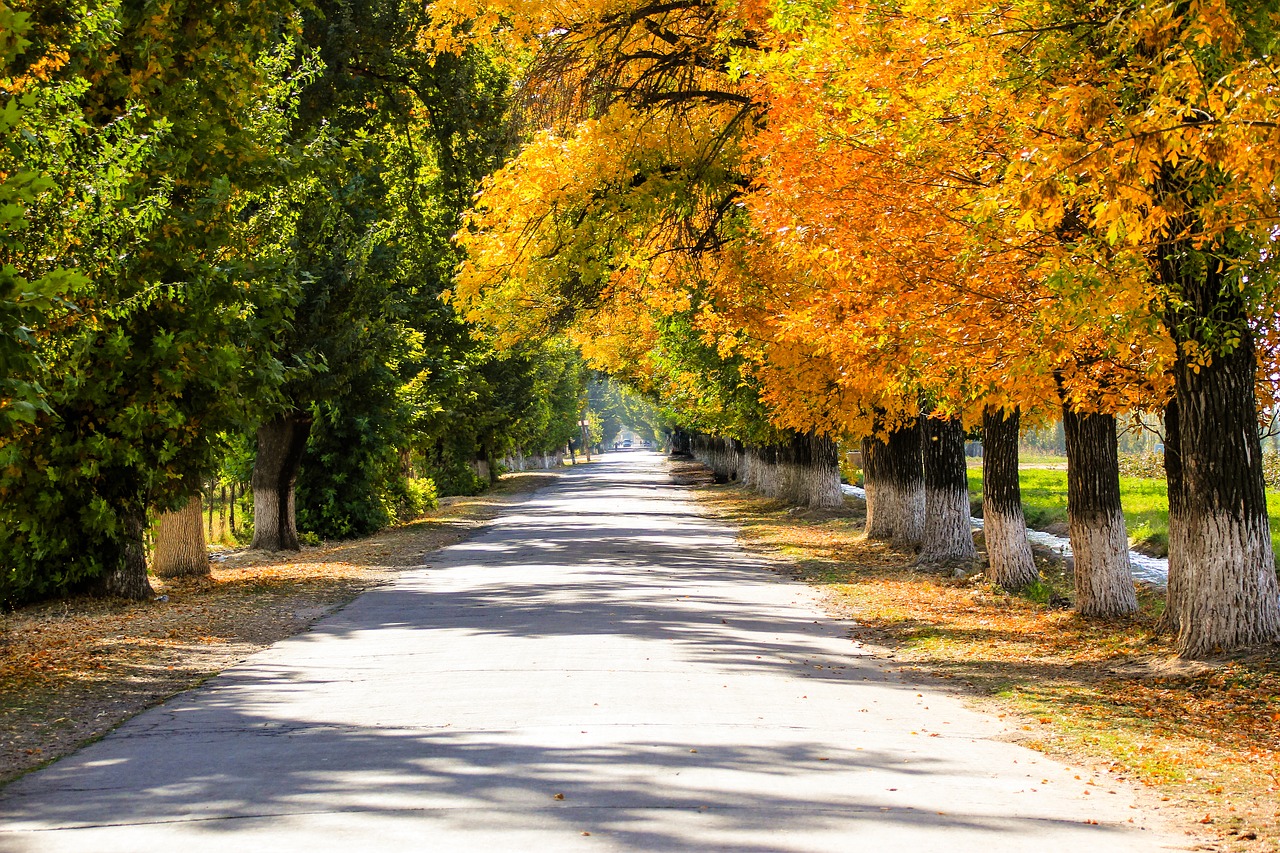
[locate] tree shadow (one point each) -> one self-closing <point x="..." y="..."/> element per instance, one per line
<point x="227" y="779"/>
<point x="356" y="718"/>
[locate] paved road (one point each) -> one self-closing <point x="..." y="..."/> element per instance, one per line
<point x="599" y="670"/>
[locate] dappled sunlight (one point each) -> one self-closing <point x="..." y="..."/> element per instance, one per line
<point x="600" y="660"/>
<point x="1111" y="689"/>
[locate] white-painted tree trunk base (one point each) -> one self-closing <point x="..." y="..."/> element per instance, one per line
<point x="1103" y="579"/>
<point x="180" y="549"/>
<point x="768" y="479"/>
<point x="1010" y="563"/>
<point x="895" y="513"/>
<point x="266" y="518"/>
<point x="948" y="533"/>
<point x="1229" y="597"/>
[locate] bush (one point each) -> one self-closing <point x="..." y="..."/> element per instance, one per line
<point x="849" y="472"/>
<point x="1146" y="465"/>
<point x="1271" y="469"/>
<point x="413" y="498"/>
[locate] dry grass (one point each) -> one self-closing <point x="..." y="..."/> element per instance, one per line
<point x="70" y="671"/>
<point x="1205" y="737"/>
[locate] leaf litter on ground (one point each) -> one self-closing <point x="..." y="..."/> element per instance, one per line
<point x="1202" y="737"/>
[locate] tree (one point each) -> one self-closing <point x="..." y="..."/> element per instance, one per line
<point x="396" y="138"/>
<point x="1162" y="109"/>
<point x="180" y="547"/>
<point x="148" y="121"/>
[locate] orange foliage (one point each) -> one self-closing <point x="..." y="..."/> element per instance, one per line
<point x="947" y="200"/>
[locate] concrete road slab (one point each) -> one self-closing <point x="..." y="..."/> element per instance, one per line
<point x="601" y="669"/>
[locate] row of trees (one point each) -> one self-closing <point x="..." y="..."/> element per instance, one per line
<point x="902" y="220"/>
<point x="225" y="228"/>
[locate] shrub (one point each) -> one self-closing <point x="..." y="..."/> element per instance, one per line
<point x="1271" y="469"/>
<point x="413" y="498"/>
<point x="1147" y="465"/>
<point x="849" y="472"/>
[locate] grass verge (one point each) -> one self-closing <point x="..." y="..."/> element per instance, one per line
<point x="72" y="670"/>
<point x="1204" y="737"/>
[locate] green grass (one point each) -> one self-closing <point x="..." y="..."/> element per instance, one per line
<point x="1049" y="459"/>
<point x="1145" y="503"/>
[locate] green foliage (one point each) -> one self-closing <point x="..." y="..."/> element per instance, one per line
<point x="24" y="300"/>
<point x="342" y="489"/>
<point x="159" y="127"/>
<point x="705" y="390"/>
<point x="1038" y="591"/>
<point x="414" y="498"/>
<point x="527" y="400"/>
<point x="613" y="406"/>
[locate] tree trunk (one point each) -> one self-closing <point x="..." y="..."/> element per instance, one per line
<point x="948" y="533"/>
<point x="1227" y="598"/>
<point x="180" y="547"/>
<point x="281" y="443"/>
<point x="769" y="480"/>
<point x="749" y="467"/>
<point x="681" y="443"/>
<point x="894" y="479"/>
<point x="812" y="475"/>
<point x="786" y="464"/>
<point x="128" y="577"/>
<point x="1010" y="563"/>
<point x="1177" y="520"/>
<point x="1103" y="578"/>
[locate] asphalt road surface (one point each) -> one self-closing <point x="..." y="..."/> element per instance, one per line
<point x="600" y="670"/>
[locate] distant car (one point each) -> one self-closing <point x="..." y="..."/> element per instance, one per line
<point x="626" y="443"/>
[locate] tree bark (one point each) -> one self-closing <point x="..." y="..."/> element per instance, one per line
<point x="1177" y="521"/>
<point x="948" y="533"/>
<point x="128" y="577"/>
<point x="180" y="546"/>
<point x="768" y="479"/>
<point x="1099" y="543"/>
<point x="749" y="466"/>
<point x="1227" y="598"/>
<point x="812" y="473"/>
<point x="1010" y="563"/>
<point x="894" y="474"/>
<point x="789" y="481"/>
<point x="281" y="443"/>
<point x="681" y="443"/>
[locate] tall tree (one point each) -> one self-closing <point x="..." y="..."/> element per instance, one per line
<point x="396" y="138"/>
<point x="150" y="122"/>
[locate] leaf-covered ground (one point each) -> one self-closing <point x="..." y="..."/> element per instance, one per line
<point x="1205" y="737"/>
<point x="70" y="671"/>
